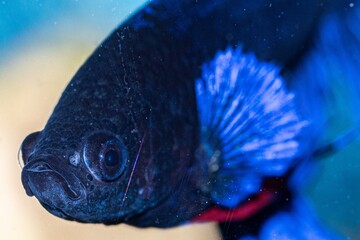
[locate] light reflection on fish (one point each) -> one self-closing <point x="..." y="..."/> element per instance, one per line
<point x="178" y="117"/>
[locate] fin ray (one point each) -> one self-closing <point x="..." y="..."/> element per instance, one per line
<point x="247" y="115"/>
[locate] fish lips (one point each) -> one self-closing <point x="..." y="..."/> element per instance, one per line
<point x="55" y="187"/>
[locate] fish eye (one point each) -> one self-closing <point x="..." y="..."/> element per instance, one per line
<point x="111" y="158"/>
<point x="111" y="161"/>
<point x="105" y="156"/>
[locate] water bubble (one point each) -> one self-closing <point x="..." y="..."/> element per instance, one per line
<point x="19" y="155"/>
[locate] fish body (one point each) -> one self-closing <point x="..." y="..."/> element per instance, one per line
<point x="125" y="141"/>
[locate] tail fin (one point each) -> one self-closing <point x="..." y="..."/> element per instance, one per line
<point x="338" y="144"/>
<point x="328" y="85"/>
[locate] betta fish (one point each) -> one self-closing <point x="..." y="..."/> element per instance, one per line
<point x="182" y="115"/>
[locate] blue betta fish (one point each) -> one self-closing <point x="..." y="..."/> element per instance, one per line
<point x="179" y="117"/>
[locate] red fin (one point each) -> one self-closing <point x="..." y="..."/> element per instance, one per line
<point x="240" y="213"/>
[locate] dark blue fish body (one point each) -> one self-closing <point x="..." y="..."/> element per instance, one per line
<point x="124" y="141"/>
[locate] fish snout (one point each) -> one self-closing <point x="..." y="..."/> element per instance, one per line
<point x="52" y="185"/>
<point x="28" y="145"/>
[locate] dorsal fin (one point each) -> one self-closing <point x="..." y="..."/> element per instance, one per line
<point x="249" y="125"/>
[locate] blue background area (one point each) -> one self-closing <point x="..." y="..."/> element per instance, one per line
<point x="17" y="17"/>
<point x="335" y="199"/>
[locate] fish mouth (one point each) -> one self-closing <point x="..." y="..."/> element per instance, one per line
<point x="55" y="187"/>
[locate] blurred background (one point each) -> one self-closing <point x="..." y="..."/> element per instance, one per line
<point x="42" y="44"/>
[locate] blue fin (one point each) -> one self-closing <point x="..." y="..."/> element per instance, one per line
<point x="328" y="85"/>
<point x="249" y="125"/>
<point x="299" y="222"/>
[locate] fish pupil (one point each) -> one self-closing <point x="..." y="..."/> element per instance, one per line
<point x="112" y="158"/>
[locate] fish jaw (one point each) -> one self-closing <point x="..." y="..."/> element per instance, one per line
<point x="54" y="188"/>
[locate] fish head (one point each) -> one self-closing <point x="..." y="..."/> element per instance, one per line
<point x="96" y="161"/>
<point x="98" y="180"/>
<point x="91" y="184"/>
